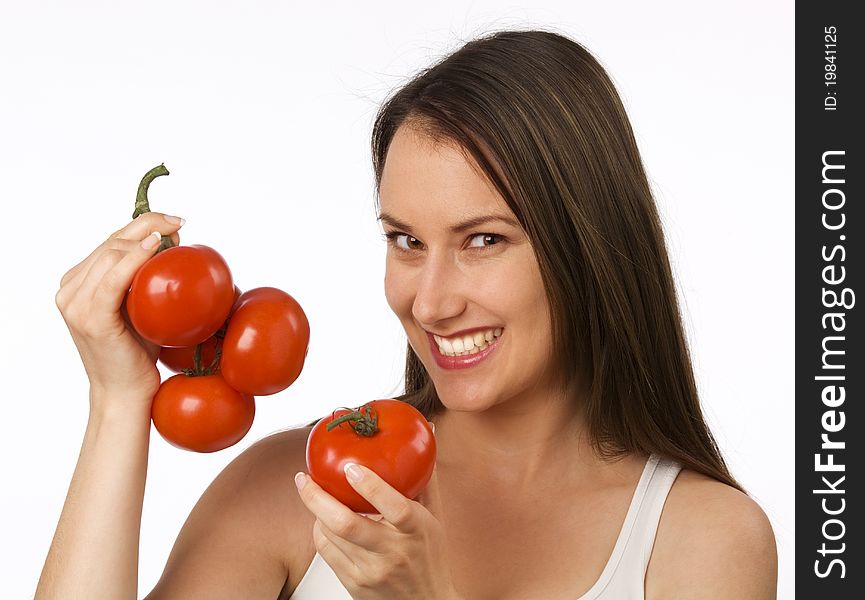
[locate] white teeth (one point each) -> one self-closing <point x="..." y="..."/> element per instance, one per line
<point x="470" y="344"/>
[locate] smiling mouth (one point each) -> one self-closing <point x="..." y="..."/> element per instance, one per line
<point x="468" y="344"/>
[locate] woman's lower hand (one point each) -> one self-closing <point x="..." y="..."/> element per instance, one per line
<point x="399" y="554"/>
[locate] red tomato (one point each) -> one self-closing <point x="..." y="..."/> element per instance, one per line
<point x="202" y="413"/>
<point x="266" y="342"/>
<point x="391" y="437"/>
<point x="177" y="359"/>
<point x="181" y="296"/>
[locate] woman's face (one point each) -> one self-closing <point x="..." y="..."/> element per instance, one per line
<point x="443" y="281"/>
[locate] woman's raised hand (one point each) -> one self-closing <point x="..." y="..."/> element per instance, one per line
<point x="118" y="362"/>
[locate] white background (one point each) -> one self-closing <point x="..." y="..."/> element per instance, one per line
<point x="262" y="112"/>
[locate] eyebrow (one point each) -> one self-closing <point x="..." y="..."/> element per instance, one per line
<point x="458" y="228"/>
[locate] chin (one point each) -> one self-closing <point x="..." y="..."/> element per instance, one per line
<point x="464" y="400"/>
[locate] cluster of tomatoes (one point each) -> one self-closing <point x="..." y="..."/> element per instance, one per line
<point x="228" y="347"/>
<point x="225" y="346"/>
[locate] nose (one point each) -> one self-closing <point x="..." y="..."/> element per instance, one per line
<point x="441" y="291"/>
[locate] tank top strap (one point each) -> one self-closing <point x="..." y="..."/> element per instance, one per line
<point x="638" y="548"/>
<point x="624" y="575"/>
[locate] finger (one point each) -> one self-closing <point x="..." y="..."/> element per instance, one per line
<point x="340" y="562"/>
<point x="76" y="274"/>
<point x="340" y="519"/>
<point x="120" y="240"/>
<point x="326" y="536"/>
<point x="109" y="286"/>
<point x="104" y="262"/>
<point x="372" y="516"/>
<point x="392" y="504"/>
<point x="143" y="225"/>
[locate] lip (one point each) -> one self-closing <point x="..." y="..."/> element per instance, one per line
<point x="462" y="362"/>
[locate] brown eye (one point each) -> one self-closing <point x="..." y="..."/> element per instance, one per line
<point x="485" y="237"/>
<point x="393" y="236"/>
<point x="408" y="237"/>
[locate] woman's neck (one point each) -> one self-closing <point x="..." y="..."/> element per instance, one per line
<point x="515" y="445"/>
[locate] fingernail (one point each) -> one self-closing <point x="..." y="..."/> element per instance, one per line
<point x="353" y="472"/>
<point x="174" y="220"/>
<point x="151" y="240"/>
<point x="300" y="480"/>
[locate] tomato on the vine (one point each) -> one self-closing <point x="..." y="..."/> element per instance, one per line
<point x="389" y="436"/>
<point x="201" y="413"/>
<point x="178" y="359"/>
<point x="181" y="296"/>
<point x="265" y="343"/>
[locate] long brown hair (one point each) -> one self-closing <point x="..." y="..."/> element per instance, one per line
<point x="542" y="119"/>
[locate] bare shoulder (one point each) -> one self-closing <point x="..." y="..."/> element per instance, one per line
<point x="713" y="542"/>
<point x="249" y="529"/>
<point x="281" y="455"/>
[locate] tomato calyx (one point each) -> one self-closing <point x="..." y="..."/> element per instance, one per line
<point x="198" y="370"/>
<point x="142" y="204"/>
<point x="364" y="421"/>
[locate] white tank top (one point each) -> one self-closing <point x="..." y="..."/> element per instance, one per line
<point x="624" y="574"/>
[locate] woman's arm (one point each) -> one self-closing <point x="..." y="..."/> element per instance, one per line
<point x="233" y="544"/>
<point x="236" y="543"/>
<point x="94" y="553"/>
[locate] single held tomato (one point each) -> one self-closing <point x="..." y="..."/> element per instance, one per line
<point x="183" y="294"/>
<point x="180" y="359"/>
<point x="266" y="342"/>
<point x="201" y="413"/>
<point x="389" y="436"/>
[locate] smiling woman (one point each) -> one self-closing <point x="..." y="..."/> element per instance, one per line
<point x="559" y="158"/>
<point x="527" y="264"/>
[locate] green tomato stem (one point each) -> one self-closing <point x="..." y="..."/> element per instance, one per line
<point x="214" y="365"/>
<point x="196" y="359"/>
<point x="363" y="421"/>
<point x="142" y="204"/>
<point x="197" y="369"/>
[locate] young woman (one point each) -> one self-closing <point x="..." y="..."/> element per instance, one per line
<point x="573" y="458"/>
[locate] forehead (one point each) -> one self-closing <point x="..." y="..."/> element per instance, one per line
<point x="423" y="175"/>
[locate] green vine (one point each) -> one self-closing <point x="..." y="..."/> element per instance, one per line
<point x="142" y="204"/>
